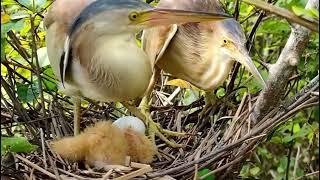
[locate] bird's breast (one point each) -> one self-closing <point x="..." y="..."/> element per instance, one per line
<point x="114" y="68"/>
<point x="214" y="74"/>
<point x="203" y="67"/>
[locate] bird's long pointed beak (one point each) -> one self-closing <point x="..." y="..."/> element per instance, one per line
<point x="241" y="55"/>
<point x="159" y="16"/>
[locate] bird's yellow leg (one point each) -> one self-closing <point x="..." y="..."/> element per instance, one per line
<point x="154" y="129"/>
<point x="76" y="116"/>
<point x="143" y="112"/>
<point x="210" y="100"/>
<point x="87" y="166"/>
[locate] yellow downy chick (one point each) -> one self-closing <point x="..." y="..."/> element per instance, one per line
<point x="106" y="143"/>
<point x="141" y="149"/>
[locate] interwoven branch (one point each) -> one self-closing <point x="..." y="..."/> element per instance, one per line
<point x="281" y="71"/>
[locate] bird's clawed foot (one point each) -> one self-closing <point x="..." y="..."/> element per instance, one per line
<point x="210" y="100"/>
<point x="155" y="129"/>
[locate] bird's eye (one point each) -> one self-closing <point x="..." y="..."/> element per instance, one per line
<point x="133" y="16"/>
<point x="225" y="43"/>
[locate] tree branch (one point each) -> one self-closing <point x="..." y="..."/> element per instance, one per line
<point x="283" y="68"/>
<point x="313" y="25"/>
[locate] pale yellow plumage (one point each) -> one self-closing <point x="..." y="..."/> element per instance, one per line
<point x="192" y="52"/>
<point x="200" y="53"/>
<point x="116" y="77"/>
<point x="92" y="48"/>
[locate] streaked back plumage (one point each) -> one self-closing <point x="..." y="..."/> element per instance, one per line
<point x="190" y="55"/>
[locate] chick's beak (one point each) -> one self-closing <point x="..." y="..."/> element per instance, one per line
<point x="241" y="55"/>
<point x="159" y="16"/>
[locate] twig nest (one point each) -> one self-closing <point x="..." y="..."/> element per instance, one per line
<point x="130" y="122"/>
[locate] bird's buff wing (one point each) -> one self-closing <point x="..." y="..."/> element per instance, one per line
<point x="55" y="38"/>
<point x="156" y="40"/>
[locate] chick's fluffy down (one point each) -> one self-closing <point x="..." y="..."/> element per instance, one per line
<point x="106" y="143"/>
<point x="141" y="148"/>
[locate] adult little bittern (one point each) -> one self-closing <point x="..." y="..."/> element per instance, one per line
<point x="92" y="48"/>
<point x="200" y="53"/>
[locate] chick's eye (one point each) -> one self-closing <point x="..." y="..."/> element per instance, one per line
<point x="225" y="41"/>
<point x="133" y="16"/>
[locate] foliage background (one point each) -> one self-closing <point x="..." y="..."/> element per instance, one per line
<point x="28" y="86"/>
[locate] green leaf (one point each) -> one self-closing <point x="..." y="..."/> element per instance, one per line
<point x="299" y="172"/>
<point x="20" y="15"/>
<point x="287" y="139"/>
<point x="189" y="96"/>
<point x="50" y="83"/>
<point x="16" y="144"/>
<point x="3" y="46"/>
<point x="33" y="5"/>
<point x="19" y="25"/>
<point x="8" y="2"/>
<point x="204" y="172"/>
<point x="296" y="128"/>
<point x="254" y="171"/>
<point x="27" y="3"/>
<point x="221" y="92"/>
<point x="315" y="12"/>
<point x="26" y="92"/>
<point x="6" y="28"/>
<point x="11" y="25"/>
<point x="280" y="169"/>
<point x="276" y="140"/>
<point x="303" y="132"/>
<point x="310" y="137"/>
<point x="274" y="26"/>
<point x="245" y="171"/>
<point x="300" y="11"/>
<point x="283" y="164"/>
<point x="264" y="152"/>
<point x="289" y="3"/>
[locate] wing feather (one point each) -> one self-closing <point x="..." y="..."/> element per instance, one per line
<point x="156" y="40"/>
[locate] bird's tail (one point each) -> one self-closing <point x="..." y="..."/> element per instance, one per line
<point x="72" y="148"/>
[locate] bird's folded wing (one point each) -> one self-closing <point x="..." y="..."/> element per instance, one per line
<point x="48" y="19"/>
<point x="55" y="37"/>
<point x="156" y="40"/>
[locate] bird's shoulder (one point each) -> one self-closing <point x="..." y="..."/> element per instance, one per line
<point x="156" y="40"/>
<point x="64" y="11"/>
<point x="190" y="40"/>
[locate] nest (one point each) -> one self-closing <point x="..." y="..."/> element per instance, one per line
<point x="220" y="141"/>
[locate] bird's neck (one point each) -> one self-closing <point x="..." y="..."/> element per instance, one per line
<point x="113" y="45"/>
<point x="217" y="70"/>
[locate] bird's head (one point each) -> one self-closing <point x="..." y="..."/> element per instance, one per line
<point x="232" y="45"/>
<point x="116" y="16"/>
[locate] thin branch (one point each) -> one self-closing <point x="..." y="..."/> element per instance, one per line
<point x="35" y="55"/>
<point x="313" y="25"/>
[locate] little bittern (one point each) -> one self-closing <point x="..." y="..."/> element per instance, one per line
<point x="200" y="53"/>
<point x="92" y="48"/>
